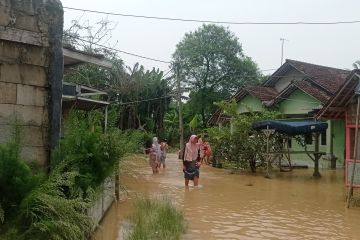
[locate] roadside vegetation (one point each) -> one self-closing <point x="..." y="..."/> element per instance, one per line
<point x="238" y="145"/>
<point x="156" y="219"/>
<point x="54" y="206"/>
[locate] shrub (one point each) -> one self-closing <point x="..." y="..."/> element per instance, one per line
<point x="87" y="150"/>
<point x="55" y="210"/>
<point x="16" y="177"/>
<point x="239" y="143"/>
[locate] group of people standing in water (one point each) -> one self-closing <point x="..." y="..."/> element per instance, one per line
<point x="195" y="153"/>
<point x="157" y="154"/>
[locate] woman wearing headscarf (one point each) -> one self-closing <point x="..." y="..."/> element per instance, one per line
<point x="191" y="161"/>
<point x="155" y="154"/>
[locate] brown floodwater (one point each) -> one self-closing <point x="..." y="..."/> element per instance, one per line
<point x="290" y="205"/>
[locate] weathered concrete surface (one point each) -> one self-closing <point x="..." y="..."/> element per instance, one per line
<point x="99" y="208"/>
<point x="31" y="72"/>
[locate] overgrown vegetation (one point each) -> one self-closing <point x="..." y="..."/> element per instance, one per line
<point x="239" y="143"/>
<point x="35" y="206"/>
<point x="16" y="177"/>
<point x="156" y="219"/>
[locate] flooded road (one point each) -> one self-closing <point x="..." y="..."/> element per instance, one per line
<point x="291" y="205"/>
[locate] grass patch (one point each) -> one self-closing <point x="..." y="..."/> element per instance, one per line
<point x="156" y="219"/>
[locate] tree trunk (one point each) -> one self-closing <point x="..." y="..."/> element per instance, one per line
<point x="203" y="117"/>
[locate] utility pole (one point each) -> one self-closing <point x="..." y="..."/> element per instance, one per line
<point x="282" y="49"/>
<point x="181" y="124"/>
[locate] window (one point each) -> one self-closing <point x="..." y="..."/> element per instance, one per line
<point x="289" y="143"/>
<point x="323" y="138"/>
<point x="308" y="139"/>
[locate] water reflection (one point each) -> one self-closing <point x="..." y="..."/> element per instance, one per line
<point x="291" y="205"/>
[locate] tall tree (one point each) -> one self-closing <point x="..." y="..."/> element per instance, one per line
<point x="213" y="65"/>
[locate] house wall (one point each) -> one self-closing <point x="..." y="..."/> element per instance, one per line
<point x="301" y="103"/>
<point x="298" y="103"/>
<point x="31" y="67"/>
<point x="285" y="81"/>
<point x="338" y="140"/>
<point x="248" y="103"/>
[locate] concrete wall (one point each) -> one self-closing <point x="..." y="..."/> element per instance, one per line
<point x="250" y="103"/>
<point x="285" y="81"/>
<point x="31" y="69"/>
<point x="298" y="103"/>
<point x="99" y="208"/>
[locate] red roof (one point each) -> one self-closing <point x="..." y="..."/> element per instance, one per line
<point x="321" y="82"/>
<point x="331" y="79"/>
<point x="261" y="92"/>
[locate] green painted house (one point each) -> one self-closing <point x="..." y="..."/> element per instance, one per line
<point x="297" y="90"/>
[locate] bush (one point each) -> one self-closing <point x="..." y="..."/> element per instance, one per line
<point x="156" y="219"/>
<point x="239" y="143"/>
<point x="16" y="177"/>
<point x="95" y="155"/>
<point x="55" y="210"/>
<point x="55" y="207"/>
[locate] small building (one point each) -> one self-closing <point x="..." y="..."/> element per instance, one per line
<point x="342" y="107"/>
<point x="296" y="89"/>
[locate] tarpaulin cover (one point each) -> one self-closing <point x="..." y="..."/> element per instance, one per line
<point x="291" y="128"/>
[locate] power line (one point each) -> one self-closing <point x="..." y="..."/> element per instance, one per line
<point x="163" y="61"/>
<point x="213" y="21"/>
<point x="145" y="100"/>
<point x="118" y="50"/>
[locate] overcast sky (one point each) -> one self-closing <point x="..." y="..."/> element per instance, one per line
<point x="329" y="45"/>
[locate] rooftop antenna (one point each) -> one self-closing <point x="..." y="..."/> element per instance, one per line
<point x="282" y="49"/>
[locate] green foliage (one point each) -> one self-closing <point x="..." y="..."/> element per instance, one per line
<point x="239" y="143"/>
<point x="56" y="209"/>
<point x="140" y="85"/>
<point x="156" y="219"/>
<point x="213" y="66"/>
<point x="16" y="177"/>
<point x="90" y="152"/>
<point x="2" y="214"/>
<point x="194" y="123"/>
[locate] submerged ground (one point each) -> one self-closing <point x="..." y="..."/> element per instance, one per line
<point x="291" y="205"/>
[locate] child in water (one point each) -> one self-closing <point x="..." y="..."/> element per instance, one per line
<point x="163" y="147"/>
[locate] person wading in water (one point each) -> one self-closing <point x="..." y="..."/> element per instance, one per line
<point x="191" y="161"/>
<point x="155" y="154"/>
<point x="163" y="147"/>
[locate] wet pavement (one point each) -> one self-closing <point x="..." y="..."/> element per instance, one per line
<point x="291" y="205"/>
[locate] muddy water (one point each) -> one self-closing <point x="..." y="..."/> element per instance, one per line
<point x="232" y="206"/>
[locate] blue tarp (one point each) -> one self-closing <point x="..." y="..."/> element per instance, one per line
<point x="291" y="128"/>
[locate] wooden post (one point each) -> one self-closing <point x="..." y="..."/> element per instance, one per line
<point x="350" y="192"/>
<point x="317" y="157"/>
<point x="332" y="156"/>
<point x="268" y="132"/>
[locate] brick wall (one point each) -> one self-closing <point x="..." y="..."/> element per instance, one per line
<point x="26" y="53"/>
